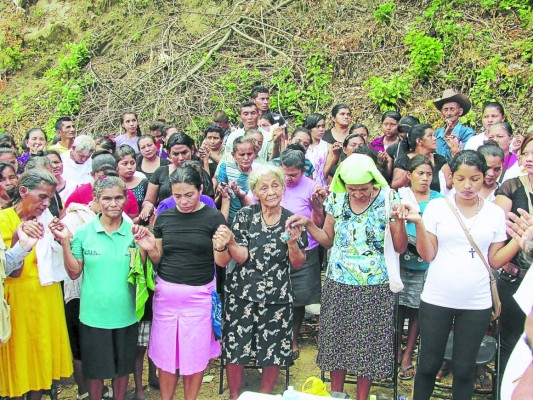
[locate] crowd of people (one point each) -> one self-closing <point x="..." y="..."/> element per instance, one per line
<point x="120" y="246"/>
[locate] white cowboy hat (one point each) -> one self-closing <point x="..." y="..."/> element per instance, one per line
<point x="449" y="96"/>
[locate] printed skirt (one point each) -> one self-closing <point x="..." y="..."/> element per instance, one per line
<point x="357" y="330"/>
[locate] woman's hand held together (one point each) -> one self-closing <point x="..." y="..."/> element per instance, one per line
<point x="29" y="233"/>
<point x="409" y="214"/>
<point x="143" y="237"/>
<point x="295" y="221"/>
<point x="60" y="231"/>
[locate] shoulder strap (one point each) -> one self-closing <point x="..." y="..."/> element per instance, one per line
<point x="469" y="237"/>
<point x="524" y="180"/>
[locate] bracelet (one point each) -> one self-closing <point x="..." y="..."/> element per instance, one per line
<point x="221" y="250"/>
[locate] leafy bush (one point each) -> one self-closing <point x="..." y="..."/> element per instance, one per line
<point x="388" y="94"/>
<point x="11" y="58"/>
<point x="384" y="13"/>
<point x="425" y="53"/>
<point x="66" y="83"/>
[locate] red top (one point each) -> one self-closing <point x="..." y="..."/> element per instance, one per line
<point x="84" y="195"/>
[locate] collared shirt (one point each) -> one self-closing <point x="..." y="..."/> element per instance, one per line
<point x="79" y="173"/>
<point x="59" y="148"/>
<point x="107" y="299"/>
<point x="463" y="134"/>
<point x="14" y="258"/>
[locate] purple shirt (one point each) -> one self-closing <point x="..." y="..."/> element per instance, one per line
<point x="170" y="202"/>
<point x="296" y="200"/>
<point x="123" y="139"/>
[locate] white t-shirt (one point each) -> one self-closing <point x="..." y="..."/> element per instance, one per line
<point x="457" y="278"/>
<point x="266" y="149"/>
<point x="476" y="141"/>
<point x="77" y="173"/>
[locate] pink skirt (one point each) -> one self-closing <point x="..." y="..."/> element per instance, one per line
<point x="182" y="334"/>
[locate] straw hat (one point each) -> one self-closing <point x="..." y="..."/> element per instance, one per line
<point x="449" y="96"/>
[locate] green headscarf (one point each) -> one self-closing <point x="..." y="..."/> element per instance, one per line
<point x="357" y="169"/>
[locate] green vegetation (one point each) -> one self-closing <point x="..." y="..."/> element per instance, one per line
<point x="11" y="59"/>
<point x="384" y="13"/>
<point x="391" y="93"/>
<point x="425" y="53"/>
<point x="183" y="60"/>
<point x="301" y="94"/>
<point x="66" y="83"/>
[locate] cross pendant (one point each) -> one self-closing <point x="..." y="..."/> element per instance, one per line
<point x="472" y="251"/>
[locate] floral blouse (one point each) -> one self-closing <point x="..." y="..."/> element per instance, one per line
<point x="265" y="275"/>
<point x="357" y="255"/>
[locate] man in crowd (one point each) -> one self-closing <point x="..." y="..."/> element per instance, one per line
<point x="77" y="161"/>
<point x="453" y="136"/>
<point x="67" y="132"/>
<point x="260" y="96"/>
<point x="249" y="116"/>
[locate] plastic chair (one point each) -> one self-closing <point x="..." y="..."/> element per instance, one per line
<point x="489" y="351"/>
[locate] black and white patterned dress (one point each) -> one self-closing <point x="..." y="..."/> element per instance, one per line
<point x="258" y="306"/>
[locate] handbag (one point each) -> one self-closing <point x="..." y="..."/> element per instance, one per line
<point x="5" y="312"/>
<point x="496" y="303"/>
<point x="392" y="258"/>
<point x="216" y="315"/>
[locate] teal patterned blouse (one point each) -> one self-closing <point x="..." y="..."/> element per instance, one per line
<point x="357" y="254"/>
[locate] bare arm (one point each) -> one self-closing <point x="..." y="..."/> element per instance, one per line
<point x="399" y="235"/>
<point x="334" y="152"/>
<point x="238" y="253"/>
<point x="505" y="203"/>
<point x="296" y="255"/>
<point x="447" y="175"/>
<point x="150" y="199"/>
<point x="156" y="253"/>
<point x="501" y="253"/>
<point x="426" y="243"/>
<point x="316" y="201"/>
<point x="73" y="266"/>
<point x="399" y="178"/>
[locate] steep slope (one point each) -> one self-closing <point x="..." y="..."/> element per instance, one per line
<point x="181" y="60"/>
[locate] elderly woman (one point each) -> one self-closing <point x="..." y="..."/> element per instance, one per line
<point x="305" y="197"/>
<point x="108" y="323"/>
<point x="182" y="340"/>
<point x="64" y="188"/>
<point x="357" y="313"/>
<point x="258" y="312"/>
<point x="39" y="336"/>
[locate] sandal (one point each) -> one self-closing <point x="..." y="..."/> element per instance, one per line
<point x="403" y="375"/>
<point x="483" y="384"/>
<point x="82" y="396"/>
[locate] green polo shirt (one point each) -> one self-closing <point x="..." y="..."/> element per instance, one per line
<point x="107" y="299"/>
